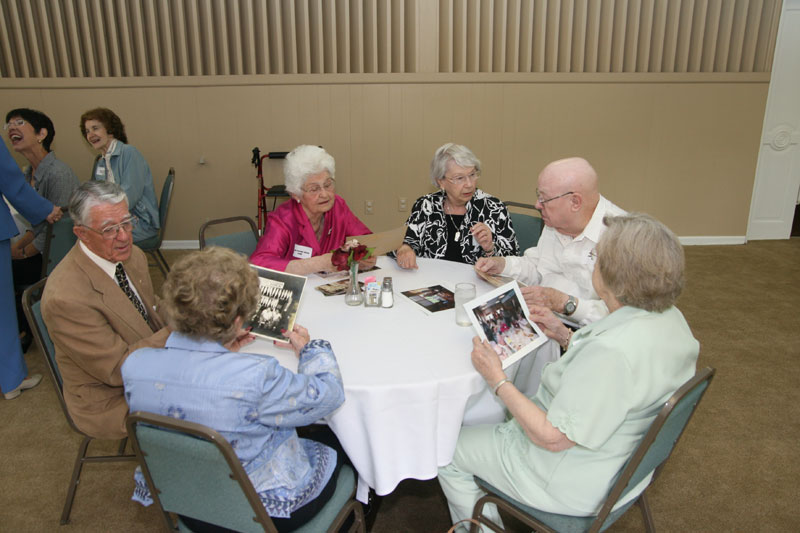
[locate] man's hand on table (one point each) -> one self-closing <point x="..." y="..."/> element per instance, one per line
<point x="491" y="265"/>
<point x="553" y="299"/>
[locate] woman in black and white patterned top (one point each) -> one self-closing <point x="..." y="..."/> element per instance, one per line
<point x="459" y="222"/>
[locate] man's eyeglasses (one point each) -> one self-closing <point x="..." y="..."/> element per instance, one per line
<point x="329" y="184"/>
<point x="461" y="180"/>
<point x="111" y="232"/>
<point x="18" y="122"/>
<point x="543" y="200"/>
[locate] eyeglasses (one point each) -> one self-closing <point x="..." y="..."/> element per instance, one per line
<point x="18" y="122"/>
<point x="111" y="232"/>
<point x="461" y="180"/>
<point x="542" y="200"/>
<point x="329" y="184"/>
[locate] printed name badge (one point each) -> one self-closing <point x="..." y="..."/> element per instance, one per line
<point x="101" y="170"/>
<point x="301" y="252"/>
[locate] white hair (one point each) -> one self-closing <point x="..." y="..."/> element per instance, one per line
<point x="458" y="153"/>
<point x="91" y="194"/>
<point x="304" y="161"/>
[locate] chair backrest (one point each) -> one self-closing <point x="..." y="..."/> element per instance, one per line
<point x="31" y="304"/>
<point x="244" y="242"/>
<point x="58" y="241"/>
<point x="193" y="471"/>
<point x="527" y="226"/>
<point x="659" y="441"/>
<point x="166" y="198"/>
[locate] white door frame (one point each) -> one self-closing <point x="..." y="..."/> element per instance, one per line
<point x="777" y="182"/>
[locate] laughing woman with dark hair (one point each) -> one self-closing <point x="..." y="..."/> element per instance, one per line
<point x="123" y="164"/>
<point x="31" y="134"/>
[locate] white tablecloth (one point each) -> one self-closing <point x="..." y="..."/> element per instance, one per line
<point x="408" y="377"/>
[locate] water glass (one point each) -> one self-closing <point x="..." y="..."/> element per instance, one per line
<point x="464" y="293"/>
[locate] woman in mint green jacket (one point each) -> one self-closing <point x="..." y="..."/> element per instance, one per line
<point x="123" y="164"/>
<point x="564" y="447"/>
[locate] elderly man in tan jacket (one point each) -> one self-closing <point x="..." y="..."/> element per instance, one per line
<point x="99" y="307"/>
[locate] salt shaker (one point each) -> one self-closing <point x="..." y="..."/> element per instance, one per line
<point x="387" y="293"/>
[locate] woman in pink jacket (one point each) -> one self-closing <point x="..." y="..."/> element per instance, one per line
<point x="301" y="233"/>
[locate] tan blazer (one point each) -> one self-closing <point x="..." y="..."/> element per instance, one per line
<point x="94" y="327"/>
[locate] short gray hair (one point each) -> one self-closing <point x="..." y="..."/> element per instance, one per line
<point x="458" y="153"/>
<point x="641" y="262"/>
<point x="90" y="194"/>
<point x="304" y="161"/>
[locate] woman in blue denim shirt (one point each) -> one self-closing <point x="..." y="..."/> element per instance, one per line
<point x="201" y="376"/>
<point x="122" y="164"/>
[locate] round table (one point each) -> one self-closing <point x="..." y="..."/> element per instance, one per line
<point x="408" y="379"/>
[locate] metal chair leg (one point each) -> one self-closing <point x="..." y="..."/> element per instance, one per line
<point x="163" y="259"/>
<point x="73" y="484"/>
<point x="647" y="516"/>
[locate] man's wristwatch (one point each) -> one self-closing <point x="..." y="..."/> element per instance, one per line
<point x="570" y="306"/>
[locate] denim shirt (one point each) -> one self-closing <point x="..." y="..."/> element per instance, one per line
<point x="132" y="173"/>
<point x="253" y="401"/>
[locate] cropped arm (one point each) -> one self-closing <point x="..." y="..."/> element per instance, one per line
<point x="21" y="195"/>
<point x="316" y="390"/>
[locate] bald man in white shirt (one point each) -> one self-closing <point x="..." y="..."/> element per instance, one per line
<point x="558" y="271"/>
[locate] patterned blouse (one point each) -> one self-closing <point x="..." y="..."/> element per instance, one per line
<point x="429" y="227"/>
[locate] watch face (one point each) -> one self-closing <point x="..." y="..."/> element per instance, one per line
<point x="569" y="307"/>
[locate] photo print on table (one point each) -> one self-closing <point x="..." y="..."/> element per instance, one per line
<point x="501" y="317"/>
<point x="278" y="303"/>
<point x="432" y="299"/>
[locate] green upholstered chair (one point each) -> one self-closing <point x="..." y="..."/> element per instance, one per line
<point x="58" y="241"/>
<point x="527" y="226"/>
<point x="244" y="242"/>
<point x="650" y="456"/>
<point x="152" y="245"/>
<point x="192" y="471"/>
<point x="31" y="300"/>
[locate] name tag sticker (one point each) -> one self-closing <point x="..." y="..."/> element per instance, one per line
<point x="101" y="170"/>
<point x="301" y="252"/>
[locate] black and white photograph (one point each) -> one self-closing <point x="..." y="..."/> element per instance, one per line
<point x="501" y="318"/>
<point x="279" y="300"/>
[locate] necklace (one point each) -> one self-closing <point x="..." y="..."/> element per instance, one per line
<point x="449" y="217"/>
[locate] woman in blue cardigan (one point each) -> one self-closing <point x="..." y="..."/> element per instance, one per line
<point x="13" y="371"/>
<point x="122" y="164"/>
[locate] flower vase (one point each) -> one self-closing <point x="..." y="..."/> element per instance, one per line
<point x="353" y="295"/>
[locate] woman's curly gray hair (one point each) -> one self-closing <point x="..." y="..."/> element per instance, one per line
<point x="459" y="154"/>
<point x="206" y="291"/>
<point x="304" y="161"/>
<point x="641" y="262"/>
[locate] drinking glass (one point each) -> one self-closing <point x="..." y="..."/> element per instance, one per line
<point x="464" y="293"/>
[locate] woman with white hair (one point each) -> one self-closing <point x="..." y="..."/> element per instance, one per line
<point x="563" y="448"/>
<point x="300" y="234"/>
<point x="459" y="222"/>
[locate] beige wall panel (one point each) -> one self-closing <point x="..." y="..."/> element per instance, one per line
<point x="684" y="152"/>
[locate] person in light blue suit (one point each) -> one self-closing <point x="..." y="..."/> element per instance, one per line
<point x="123" y="164"/>
<point x="13" y="370"/>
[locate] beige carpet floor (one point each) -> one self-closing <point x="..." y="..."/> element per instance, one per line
<point x="736" y="469"/>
